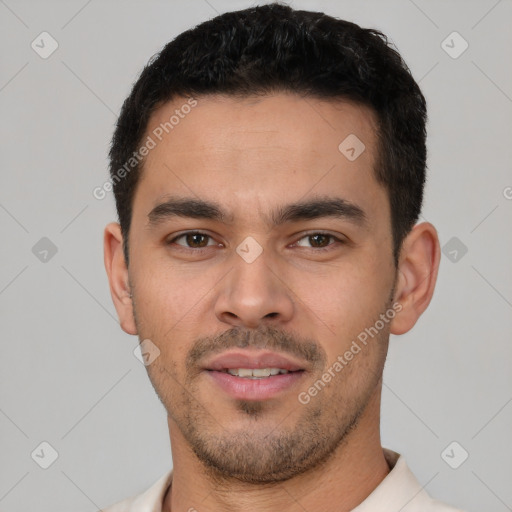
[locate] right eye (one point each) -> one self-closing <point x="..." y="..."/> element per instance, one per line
<point x="195" y="240"/>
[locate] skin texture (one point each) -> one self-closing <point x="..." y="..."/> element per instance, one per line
<point x="253" y="156"/>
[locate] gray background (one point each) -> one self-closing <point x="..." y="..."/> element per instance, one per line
<point x="68" y="375"/>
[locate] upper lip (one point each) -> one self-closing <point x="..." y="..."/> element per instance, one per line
<point x="252" y="360"/>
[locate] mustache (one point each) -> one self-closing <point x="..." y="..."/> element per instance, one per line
<point x="265" y="337"/>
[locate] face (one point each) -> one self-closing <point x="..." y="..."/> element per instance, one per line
<point x="256" y="244"/>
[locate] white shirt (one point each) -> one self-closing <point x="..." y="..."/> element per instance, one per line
<point x="399" y="491"/>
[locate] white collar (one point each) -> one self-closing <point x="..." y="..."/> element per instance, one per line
<point x="399" y="491"/>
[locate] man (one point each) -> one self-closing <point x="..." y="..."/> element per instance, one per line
<point x="268" y="168"/>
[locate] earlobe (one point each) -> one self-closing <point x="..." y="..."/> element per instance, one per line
<point x="417" y="274"/>
<point x="117" y="272"/>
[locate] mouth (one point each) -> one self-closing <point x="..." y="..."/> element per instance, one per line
<point x="245" y="375"/>
<point x="249" y="386"/>
<point x="256" y="373"/>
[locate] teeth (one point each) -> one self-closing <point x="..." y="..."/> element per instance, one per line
<point x="256" y="373"/>
<point x="261" y="372"/>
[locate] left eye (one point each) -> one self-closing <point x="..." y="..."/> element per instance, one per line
<point x="317" y="240"/>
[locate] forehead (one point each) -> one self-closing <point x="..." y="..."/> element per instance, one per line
<point x="260" y="149"/>
<point x="283" y="120"/>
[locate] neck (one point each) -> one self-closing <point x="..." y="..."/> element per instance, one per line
<point x="356" y="468"/>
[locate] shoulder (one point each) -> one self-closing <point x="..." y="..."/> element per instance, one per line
<point x="400" y="490"/>
<point x="148" y="501"/>
<point x="424" y="503"/>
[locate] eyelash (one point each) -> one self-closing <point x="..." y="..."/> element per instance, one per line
<point x="201" y="249"/>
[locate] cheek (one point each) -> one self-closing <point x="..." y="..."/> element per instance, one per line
<point x="341" y="302"/>
<point x="169" y="300"/>
<point x="341" y="295"/>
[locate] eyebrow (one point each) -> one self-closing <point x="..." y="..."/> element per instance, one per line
<point x="189" y="207"/>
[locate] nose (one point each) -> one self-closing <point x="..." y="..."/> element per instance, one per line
<point x="254" y="293"/>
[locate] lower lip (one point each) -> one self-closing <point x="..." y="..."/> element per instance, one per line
<point x="255" y="389"/>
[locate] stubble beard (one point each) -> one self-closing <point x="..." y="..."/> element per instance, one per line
<point x="265" y="452"/>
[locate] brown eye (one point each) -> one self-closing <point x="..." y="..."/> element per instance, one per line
<point x="196" y="240"/>
<point x="193" y="240"/>
<point x="317" y="241"/>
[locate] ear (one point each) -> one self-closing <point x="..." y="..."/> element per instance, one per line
<point x="417" y="274"/>
<point x="117" y="272"/>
